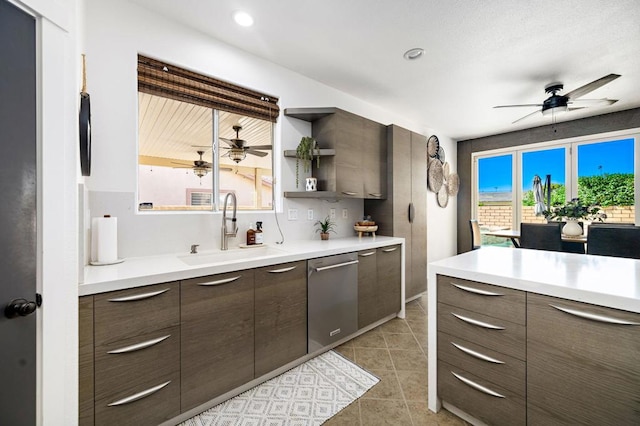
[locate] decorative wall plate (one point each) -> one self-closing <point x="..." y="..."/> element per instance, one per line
<point x="445" y="171"/>
<point x="453" y="184"/>
<point x="434" y="175"/>
<point x="443" y="196"/>
<point x="440" y="155"/>
<point x="432" y="146"/>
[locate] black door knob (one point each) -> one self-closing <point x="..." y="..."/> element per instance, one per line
<point x="19" y="308"/>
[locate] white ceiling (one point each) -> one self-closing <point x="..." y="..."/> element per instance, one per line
<point x="478" y="54"/>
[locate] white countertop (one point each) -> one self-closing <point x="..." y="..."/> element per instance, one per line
<point x="602" y="280"/>
<point x="139" y="271"/>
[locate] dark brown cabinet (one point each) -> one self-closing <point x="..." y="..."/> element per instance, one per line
<point x="482" y="350"/>
<point x="583" y="363"/>
<point x="379" y="282"/>
<point x="358" y="168"/>
<point x="217" y="327"/>
<point x="136" y="355"/>
<point x="404" y="211"/>
<point x="85" y="361"/>
<point x="280" y="315"/>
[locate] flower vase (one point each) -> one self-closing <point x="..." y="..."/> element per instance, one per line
<point x="324" y="235"/>
<point x="572" y="228"/>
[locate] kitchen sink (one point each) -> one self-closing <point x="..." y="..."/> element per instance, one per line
<point x="239" y="254"/>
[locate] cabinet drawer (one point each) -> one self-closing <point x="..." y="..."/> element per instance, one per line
<point x="582" y="370"/>
<point x="134" y="312"/>
<point x="495" y="367"/>
<point x="479" y="398"/>
<point x="138" y="366"/>
<point x="498" y="302"/>
<point x="493" y="333"/>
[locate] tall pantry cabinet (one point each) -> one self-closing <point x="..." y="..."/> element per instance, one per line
<point x="404" y="212"/>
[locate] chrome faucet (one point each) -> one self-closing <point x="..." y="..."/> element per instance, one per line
<point x="225" y="232"/>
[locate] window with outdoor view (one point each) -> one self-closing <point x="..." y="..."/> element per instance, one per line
<point x="200" y="138"/>
<point x="599" y="172"/>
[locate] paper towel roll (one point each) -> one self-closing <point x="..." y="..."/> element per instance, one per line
<point x="104" y="239"/>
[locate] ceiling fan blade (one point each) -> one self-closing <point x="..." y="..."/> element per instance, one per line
<point x="520" y="105"/>
<point x="183" y="164"/>
<point x="259" y="147"/>
<point x="574" y="108"/>
<point x="527" y="116"/>
<point x="258" y="153"/>
<point x="228" y="141"/>
<point x="590" y="102"/>
<point x="589" y="87"/>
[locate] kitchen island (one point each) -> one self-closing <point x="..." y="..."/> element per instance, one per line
<point x="532" y="337"/>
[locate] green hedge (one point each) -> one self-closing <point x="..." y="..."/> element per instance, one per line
<point x="615" y="189"/>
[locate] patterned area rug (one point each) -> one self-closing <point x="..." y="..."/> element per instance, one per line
<point x="306" y="395"/>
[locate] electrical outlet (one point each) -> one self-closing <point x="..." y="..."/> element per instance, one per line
<point x="310" y="214"/>
<point x="345" y="214"/>
<point x="332" y="214"/>
<point x="293" y="214"/>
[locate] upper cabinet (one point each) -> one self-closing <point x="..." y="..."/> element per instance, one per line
<point x="358" y="169"/>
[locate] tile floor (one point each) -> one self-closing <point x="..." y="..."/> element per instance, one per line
<point x="396" y="352"/>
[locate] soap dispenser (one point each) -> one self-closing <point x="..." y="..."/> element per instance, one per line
<point x="251" y="235"/>
<point x="259" y="236"/>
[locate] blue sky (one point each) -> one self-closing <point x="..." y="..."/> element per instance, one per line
<point x="593" y="159"/>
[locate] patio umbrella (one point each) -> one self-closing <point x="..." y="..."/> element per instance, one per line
<point x="538" y="196"/>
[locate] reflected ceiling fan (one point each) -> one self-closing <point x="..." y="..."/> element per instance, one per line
<point x="560" y="103"/>
<point x="200" y="167"/>
<point x="238" y="148"/>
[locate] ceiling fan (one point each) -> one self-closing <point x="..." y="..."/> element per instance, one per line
<point x="560" y="103"/>
<point x="200" y="167"/>
<point x="238" y="148"/>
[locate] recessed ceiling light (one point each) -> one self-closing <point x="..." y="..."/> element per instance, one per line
<point x="243" y="19"/>
<point x="413" y="54"/>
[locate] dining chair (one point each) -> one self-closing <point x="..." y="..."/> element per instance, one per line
<point x="476" y="237"/>
<point x="541" y="236"/>
<point x="614" y="240"/>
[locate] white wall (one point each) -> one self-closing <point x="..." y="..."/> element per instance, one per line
<point x="116" y="31"/>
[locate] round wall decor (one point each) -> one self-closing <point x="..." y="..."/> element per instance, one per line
<point x="453" y="184"/>
<point x="432" y="146"/>
<point x="435" y="177"/>
<point x="443" y="196"/>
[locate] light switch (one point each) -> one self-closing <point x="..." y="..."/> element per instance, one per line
<point x="310" y="214"/>
<point x="345" y="214"/>
<point x="332" y="214"/>
<point x="293" y="214"/>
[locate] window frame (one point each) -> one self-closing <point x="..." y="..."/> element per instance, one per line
<point x="571" y="167"/>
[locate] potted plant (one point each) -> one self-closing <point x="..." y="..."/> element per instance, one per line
<point x="305" y="151"/>
<point x="572" y="211"/>
<point x="324" y="227"/>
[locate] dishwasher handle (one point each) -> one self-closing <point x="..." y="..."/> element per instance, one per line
<point x="337" y="265"/>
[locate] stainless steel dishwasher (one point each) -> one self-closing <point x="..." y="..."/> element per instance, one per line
<point x="333" y="299"/>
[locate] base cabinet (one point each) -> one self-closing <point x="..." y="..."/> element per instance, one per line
<point x="280" y="315"/>
<point x="217" y="326"/>
<point x="583" y="363"/>
<point x="508" y="357"/>
<point x="379" y="282"/>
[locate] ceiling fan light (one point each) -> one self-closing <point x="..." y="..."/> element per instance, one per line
<point x="237" y="155"/>
<point x="555" y="110"/>
<point x="200" y="171"/>
<point x="243" y="19"/>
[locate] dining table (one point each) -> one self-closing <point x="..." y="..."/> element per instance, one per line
<point x="514" y="236"/>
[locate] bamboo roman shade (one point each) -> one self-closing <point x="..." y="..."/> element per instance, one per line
<point x="166" y="80"/>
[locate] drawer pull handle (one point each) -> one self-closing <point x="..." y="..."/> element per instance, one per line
<point x="139" y="296"/>
<point x="477" y="354"/>
<point x="594" y="317"/>
<point x="139" y="395"/>
<point x="389" y="250"/>
<point x="475" y="290"/>
<point x="476" y="386"/>
<point x="337" y="265"/>
<point x="139" y="346"/>
<point x="279" y="271"/>
<point x="349" y="193"/>
<point x="478" y="323"/>
<point x="224" y="281"/>
<point x="375" y="194"/>
<point x="371" y="253"/>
